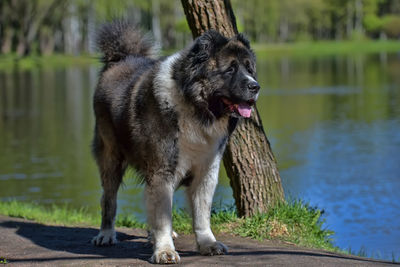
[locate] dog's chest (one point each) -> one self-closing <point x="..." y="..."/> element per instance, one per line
<point x="198" y="146"/>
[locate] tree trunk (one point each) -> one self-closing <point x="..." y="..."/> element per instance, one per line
<point x="8" y="34"/>
<point x="155" y="21"/>
<point x="46" y="41"/>
<point x="248" y="159"/>
<point x="358" y="25"/>
<point x="22" y="46"/>
<point x="349" y="19"/>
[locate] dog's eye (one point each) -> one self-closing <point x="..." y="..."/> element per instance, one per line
<point x="230" y="70"/>
<point x="249" y="69"/>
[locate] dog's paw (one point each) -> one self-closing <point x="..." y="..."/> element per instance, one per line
<point x="165" y="256"/>
<point x="105" y="238"/>
<point x="215" y="248"/>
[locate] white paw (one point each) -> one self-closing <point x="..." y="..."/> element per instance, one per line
<point x="215" y="248"/>
<point x="105" y="238"/>
<point x="165" y="256"/>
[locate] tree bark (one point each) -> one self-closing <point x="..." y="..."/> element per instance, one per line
<point x="248" y="159"/>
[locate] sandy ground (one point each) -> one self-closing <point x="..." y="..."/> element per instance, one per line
<point x="25" y="243"/>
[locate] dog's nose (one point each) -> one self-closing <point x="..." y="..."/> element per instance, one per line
<point x="253" y="86"/>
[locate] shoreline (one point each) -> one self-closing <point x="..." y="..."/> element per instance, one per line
<point x="8" y="62"/>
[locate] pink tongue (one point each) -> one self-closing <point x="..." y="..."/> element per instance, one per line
<point x="244" y="110"/>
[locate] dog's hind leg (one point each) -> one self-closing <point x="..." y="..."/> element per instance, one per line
<point x="112" y="167"/>
<point x="200" y="193"/>
<point x="158" y="193"/>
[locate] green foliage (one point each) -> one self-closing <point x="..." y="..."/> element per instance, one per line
<point x="63" y="26"/>
<point x="391" y="26"/>
<point x="182" y="26"/>
<point x="372" y="23"/>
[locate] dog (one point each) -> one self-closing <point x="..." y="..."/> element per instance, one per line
<point x="168" y="118"/>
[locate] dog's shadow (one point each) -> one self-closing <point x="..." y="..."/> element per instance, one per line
<point x="77" y="240"/>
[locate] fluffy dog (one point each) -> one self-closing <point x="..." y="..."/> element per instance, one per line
<point x="170" y="119"/>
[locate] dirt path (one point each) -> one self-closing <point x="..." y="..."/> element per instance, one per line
<point x="24" y="242"/>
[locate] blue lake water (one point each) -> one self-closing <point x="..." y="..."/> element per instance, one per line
<point x="333" y="122"/>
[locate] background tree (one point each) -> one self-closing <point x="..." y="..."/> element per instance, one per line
<point x="248" y="159"/>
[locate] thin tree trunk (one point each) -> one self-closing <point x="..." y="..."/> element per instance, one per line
<point x="358" y="25"/>
<point x="46" y="41"/>
<point x="155" y="21"/>
<point x="22" y="47"/>
<point x="349" y="19"/>
<point x="248" y="159"/>
<point x="7" y="40"/>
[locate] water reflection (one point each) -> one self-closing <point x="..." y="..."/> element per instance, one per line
<point x="333" y="122"/>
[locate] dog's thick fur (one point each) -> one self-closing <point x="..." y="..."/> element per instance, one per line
<point x="169" y="119"/>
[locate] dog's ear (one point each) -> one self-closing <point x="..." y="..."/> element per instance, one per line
<point x="242" y="38"/>
<point x="206" y="45"/>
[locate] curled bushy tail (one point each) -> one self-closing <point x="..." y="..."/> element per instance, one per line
<point x="120" y="38"/>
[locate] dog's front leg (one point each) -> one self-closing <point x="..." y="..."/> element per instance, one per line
<point x="159" y="195"/>
<point x="200" y="193"/>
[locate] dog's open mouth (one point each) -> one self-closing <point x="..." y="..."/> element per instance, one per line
<point x="243" y="108"/>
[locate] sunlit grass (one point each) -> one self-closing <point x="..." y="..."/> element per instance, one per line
<point x="263" y="50"/>
<point x="11" y="61"/>
<point x="321" y="48"/>
<point x="63" y="215"/>
<point x="294" y="222"/>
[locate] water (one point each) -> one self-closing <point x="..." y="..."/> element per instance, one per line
<point x="334" y="125"/>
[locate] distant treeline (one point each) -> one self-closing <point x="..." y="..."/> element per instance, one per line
<point x="305" y="20"/>
<point x="68" y="26"/>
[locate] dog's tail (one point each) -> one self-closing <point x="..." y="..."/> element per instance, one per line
<point x="120" y="38"/>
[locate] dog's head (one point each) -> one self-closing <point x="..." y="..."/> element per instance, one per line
<point x="222" y="77"/>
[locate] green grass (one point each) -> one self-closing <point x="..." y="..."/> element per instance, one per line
<point x="324" y="48"/>
<point x="299" y="49"/>
<point x="10" y="61"/>
<point x="62" y="215"/>
<point x="295" y="222"/>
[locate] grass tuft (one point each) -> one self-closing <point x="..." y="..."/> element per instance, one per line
<point x="295" y="222"/>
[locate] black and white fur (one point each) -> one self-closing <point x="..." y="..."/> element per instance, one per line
<point x="169" y="119"/>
